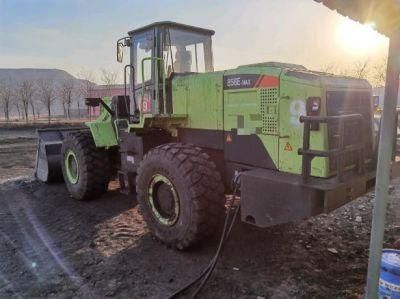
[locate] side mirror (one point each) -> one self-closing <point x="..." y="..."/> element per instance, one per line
<point x="120" y="52"/>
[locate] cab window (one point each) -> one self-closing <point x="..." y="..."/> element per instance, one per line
<point x="187" y="52"/>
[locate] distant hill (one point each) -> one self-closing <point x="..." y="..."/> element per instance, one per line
<point x="15" y="76"/>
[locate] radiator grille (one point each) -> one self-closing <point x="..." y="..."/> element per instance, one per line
<point x="350" y="102"/>
<point x="269" y="110"/>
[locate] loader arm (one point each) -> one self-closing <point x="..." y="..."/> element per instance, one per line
<point x="103" y="129"/>
<point x="48" y="156"/>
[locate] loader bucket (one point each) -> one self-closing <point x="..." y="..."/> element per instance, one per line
<point x="48" y="156"/>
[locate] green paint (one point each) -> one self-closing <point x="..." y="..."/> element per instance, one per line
<point x="199" y="101"/>
<point x="200" y="97"/>
<point x="292" y="105"/>
<point x="71" y="167"/>
<point x="272" y="113"/>
<point x="102" y="129"/>
<point x="258" y="107"/>
<point x="269" y="110"/>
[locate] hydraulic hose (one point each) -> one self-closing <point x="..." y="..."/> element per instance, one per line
<point x="206" y="273"/>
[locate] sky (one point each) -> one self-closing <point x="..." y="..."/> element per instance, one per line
<point x="77" y="35"/>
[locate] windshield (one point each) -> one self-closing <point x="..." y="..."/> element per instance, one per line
<point x="186" y="51"/>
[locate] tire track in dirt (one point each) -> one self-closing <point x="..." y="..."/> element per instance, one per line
<point x="36" y="256"/>
<point x="102" y="249"/>
<point x="119" y="232"/>
<point x="17" y="157"/>
<point x="56" y="245"/>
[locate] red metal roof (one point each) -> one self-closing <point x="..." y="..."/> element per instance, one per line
<point x="385" y="14"/>
<point x="100" y="91"/>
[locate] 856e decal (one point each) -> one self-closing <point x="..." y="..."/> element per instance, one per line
<point x="241" y="81"/>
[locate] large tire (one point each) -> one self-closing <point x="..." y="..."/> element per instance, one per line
<point x="86" y="168"/>
<point x="184" y="175"/>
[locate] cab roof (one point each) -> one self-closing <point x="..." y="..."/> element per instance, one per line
<point x="172" y="25"/>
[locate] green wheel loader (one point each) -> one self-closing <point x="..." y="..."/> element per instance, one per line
<point x="302" y="140"/>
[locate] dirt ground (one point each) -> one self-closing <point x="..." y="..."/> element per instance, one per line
<point x="53" y="246"/>
<point x="17" y="149"/>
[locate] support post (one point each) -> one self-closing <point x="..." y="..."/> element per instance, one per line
<point x="383" y="168"/>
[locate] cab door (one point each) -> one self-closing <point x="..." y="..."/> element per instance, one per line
<point x="143" y="49"/>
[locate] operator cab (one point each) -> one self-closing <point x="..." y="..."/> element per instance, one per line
<point x="158" y="52"/>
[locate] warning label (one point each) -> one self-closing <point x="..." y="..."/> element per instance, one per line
<point x="288" y="147"/>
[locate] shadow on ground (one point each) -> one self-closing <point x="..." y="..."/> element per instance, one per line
<point x="54" y="246"/>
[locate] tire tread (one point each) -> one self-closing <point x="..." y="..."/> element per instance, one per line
<point x="94" y="163"/>
<point x="205" y="187"/>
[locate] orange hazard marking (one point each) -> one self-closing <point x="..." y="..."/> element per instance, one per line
<point x="267" y="81"/>
<point x="288" y="147"/>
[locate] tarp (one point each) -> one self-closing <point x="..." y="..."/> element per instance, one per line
<point x="384" y="14"/>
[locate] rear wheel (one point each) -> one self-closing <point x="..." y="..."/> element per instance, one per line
<point x="180" y="194"/>
<point x="85" y="167"/>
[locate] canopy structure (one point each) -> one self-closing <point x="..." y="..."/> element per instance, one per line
<point x="385" y="15"/>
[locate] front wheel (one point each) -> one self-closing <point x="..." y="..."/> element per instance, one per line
<point x="85" y="167"/>
<point x="180" y="194"/>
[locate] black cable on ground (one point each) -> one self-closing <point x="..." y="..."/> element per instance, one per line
<point x="206" y="273"/>
<point x="207" y="276"/>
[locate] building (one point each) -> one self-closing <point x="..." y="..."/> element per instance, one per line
<point x="100" y="91"/>
<point x="379" y="94"/>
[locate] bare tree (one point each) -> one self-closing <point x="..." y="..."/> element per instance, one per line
<point x="66" y="93"/>
<point x="343" y="71"/>
<point x="47" y="95"/>
<point x="86" y="85"/>
<point x="6" y="92"/>
<point x="34" y="112"/>
<point x="108" y="78"/>
<point x="16" y="104"/>
<point x="24" y="93"/>
<point x="361" y="69"/>
<point x="328" y="68"/>
<point x="379" y="74"/>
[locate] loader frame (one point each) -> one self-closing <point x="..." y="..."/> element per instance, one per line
<point x="237" y="119"/>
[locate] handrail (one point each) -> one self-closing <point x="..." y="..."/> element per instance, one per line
<point x="132" y="83"/>
<point x="159" y="60"/>
<point x="309" y="154"/>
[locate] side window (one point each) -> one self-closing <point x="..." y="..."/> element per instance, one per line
<point x="143" y="49"/>
<point x="197" y="57"/>
<point x="169" y="57"/>
<point x="186" y="51"/>
<point x="183" y="59"/>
